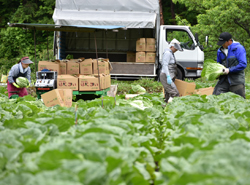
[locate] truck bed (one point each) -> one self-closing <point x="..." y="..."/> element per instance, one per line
<point x="132" y="70"/>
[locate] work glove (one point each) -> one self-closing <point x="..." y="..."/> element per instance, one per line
<point x="169" y="80"/>
<point x="225" y="71"/>
<point x="17" y="86"/>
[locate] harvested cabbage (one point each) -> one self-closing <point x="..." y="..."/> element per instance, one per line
<point x="137" y="89"/>
<point x="22" y="82"/>
<point x="212" y="70"/>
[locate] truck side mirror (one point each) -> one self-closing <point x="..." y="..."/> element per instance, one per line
<point x="196" y="38"/>
<point x="206" y="40"/>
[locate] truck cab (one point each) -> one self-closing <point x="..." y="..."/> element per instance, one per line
<point x="190" y="60"/>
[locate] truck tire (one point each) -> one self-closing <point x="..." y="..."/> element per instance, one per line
<point x="179" y="74"/>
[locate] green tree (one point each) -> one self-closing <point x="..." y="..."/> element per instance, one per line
<point x="219" y="16"/>
<point x="16" y="42"/>
<point x="171" y="9"/>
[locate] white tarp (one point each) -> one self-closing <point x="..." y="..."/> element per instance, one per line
<point x="128" y="13"/>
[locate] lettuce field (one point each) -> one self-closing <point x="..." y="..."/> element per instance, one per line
<point x="194" y="140"/>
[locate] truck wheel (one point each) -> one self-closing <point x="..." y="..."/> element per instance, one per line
<point x="179" y="74"/>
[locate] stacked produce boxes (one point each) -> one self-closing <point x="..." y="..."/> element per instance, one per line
<point x="80" y="74"/>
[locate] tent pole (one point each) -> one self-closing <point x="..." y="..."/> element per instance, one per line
<point x="107" y="56"/>
<point x="48" y="44"/>
<point x="97" y="62"/>
<point x="35" y="46"/>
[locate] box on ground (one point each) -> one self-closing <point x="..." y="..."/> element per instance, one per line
<point x="52" y="66"/>
<point x="140" y="57"/>
<point x="91" y="83"/>
<point x="150" y="57"/>
<point x="62" y="97"/>
<point x="73" y="66"/>
<point x="185" y="88"/>
<point x="150" y="44"/>
<point x="67" y="82"/>
<point x="204" y="91"/>
<point x="141" y="44"/>
<point x="86" y="67"/>
<point x="130" y="56"/>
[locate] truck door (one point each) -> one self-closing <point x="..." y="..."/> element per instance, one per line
<point x="188" y="59"/>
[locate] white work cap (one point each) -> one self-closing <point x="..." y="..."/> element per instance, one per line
<point x="176" y="44"/>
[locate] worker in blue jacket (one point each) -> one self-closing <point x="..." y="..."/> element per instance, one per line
<point x="232" y="55"/>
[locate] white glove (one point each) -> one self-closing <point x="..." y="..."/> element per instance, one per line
<point x="225" y="71"/>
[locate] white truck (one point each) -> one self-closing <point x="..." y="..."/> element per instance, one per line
<point x="111" y="28"/>
<point x="140" y="19"/>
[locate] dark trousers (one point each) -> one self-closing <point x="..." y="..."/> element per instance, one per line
<point x="223" y="86"/>
<point x="170" y="90"/>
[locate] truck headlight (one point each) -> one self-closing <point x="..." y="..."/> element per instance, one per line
<point x="200" y="66"/>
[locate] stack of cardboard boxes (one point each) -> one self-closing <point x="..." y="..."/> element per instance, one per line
<point x="75" y="75"/>
<point x="80" y="74"/>
<point x="145" y="51"/>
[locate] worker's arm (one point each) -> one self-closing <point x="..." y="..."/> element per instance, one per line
<point x="165" y="61"/>
<point x="28" y="75"/>
<point x="242" y="59"/>
<point x="218" y="56"/>
<point x="13" y="72"/>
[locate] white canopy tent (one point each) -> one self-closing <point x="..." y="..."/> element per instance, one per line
<point x="129" y="13"/>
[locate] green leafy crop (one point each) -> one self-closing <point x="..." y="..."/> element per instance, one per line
<point x="212" y="70"/>
<point x="198" y="140"/>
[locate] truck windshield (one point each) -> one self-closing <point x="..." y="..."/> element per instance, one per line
<point x="182" y="36"/>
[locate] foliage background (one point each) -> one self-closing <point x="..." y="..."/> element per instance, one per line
<point x="204" y="17"/>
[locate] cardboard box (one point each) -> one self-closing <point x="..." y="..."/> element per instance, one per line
<point x="104" y="66"/>
<point x="102" y="80"/>
<point x="62" y="97"/>
<point x="52" y="66"/>
<point x="204" y="91"/>
<point x="90" y="83"/>
<point x="185" y="88"/>
<point x="140" y="57"/>
<point x="107" y="66"/>
<point x="150" y="57"/>
<point x="130" y="56"/>
<point x="67" y="95"/>
<point x="150" y="44"/>
<point x="86" y="67"/>
<point x="67" y="82"/>
<point x="73" y="66"/>
<point x="52" y="98"/>
<point x="63" y="66"/>
<point x="108" y="81"/>
<point x="141" y="44"/>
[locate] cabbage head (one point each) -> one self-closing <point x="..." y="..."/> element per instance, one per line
<point x="212" y="70"/>
<point x="22" y="82"/>
<point x="137" y="89"/>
